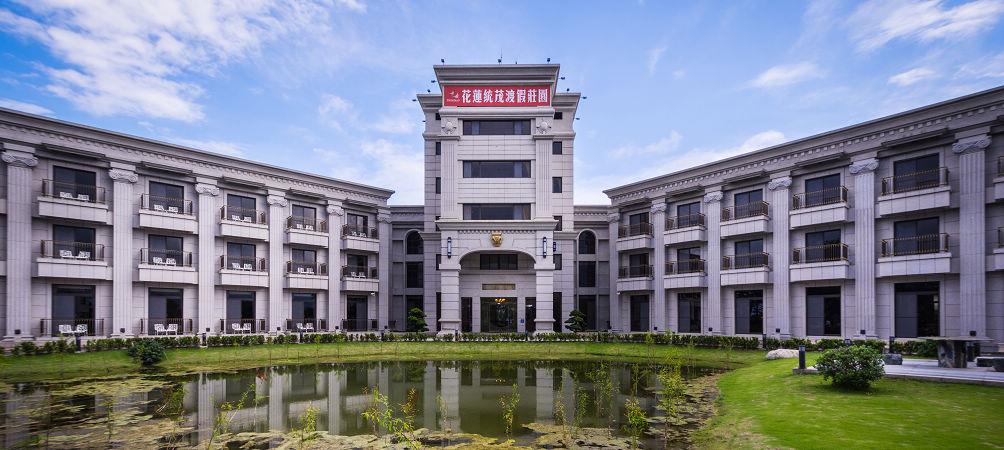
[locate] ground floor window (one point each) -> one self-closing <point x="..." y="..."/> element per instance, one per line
<point x="556" y="311"/>
<point x="439" y="309"/>
<point x="466" y="314"/>
<point x="356" y="313"/>
<point x="164" y="308"/>
<point x="587" y="305"/>
<point x="240" y="312"/>
<point x="498" y="314"/>
<point x="73" y="307"/>
<point x="304" y="308"/>
<point x="918" y="309"/>
<point x="639" y="313"/>
<point x="749" y="312"/>
<point x="531" y="315"/>
<point x="822" y="311"/>
<point x="689" y="312"/>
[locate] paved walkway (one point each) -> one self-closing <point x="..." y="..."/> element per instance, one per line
<point x="927" y="369"/>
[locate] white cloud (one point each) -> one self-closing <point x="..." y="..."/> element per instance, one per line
<point x="222" y="147"/>
<point x="912" y="76"/>
<point x="662" y="146"/>
<point x="787" y="74"/>
<point x="380" y="163"/>
<point x="987" y="67"/>
<point x="679" y="73"/>
<point x="336" y="112"/>
<point x="354" y="5"/>
<point x="29" y="108"/>
<point x="654" y="55"/>
<point x="878" y="22"/>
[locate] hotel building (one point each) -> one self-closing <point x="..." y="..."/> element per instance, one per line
<point x="886" y="228"/>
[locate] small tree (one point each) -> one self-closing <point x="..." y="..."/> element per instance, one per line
<point x="576" y="321"/>
<point x="147" y="351"/>
<point x="853" y="367"/>
<point x="416" y="321"/>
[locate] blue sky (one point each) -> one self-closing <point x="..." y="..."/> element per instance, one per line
<point x="326" y="85"/>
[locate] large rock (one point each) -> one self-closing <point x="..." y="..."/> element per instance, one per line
<point x="892" y="359"/>
<point x="782" y="353"/>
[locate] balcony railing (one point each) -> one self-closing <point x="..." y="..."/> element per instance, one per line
<point x="84" y="251"/>
<point x="915" y="181"/>
<point x="1000" y="238"/>
<point x="72" y="327"/>
<point x="1000" y="166"/>
<point x="746" y="210"/>
<point x="745" y="261"/>
<point x="245" y="263"/>
<point x="349" y="272"/>
<point x="306" y="268"/>
<point x="171" y="258"/>
<point x="87" y="193"/>
<point x="685" y="266"/>
<point x="635" y="272"/>
<point x="306" y="224"/>
<point x="689" y="220"/>
<point x="915" y="245"/>
<point x="819" y="253"/>
<point x="638" y="229"/>
<point x="352" y="230"/>
<point x="165" y="326"/>
<point x="243" y="326"/>
<point x="819" y="198"/>
<point x="245" y="215"/>
<point x="306" y="325"/>
<point x="165" y="204"/>
<point x="359" y="325"/>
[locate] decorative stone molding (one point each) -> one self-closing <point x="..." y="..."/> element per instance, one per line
<point x="207" y="189"/>
<point x="123" y="176"/>
<point x="543" y="126"/>
<point x="383" y="218"/>
<point x="19" y="160"/>
<point x="779" y="183"/>
<point x="448" y="127"/>
<point x="658" y="208"/>
<point x="713" y="197"/>
<point x="973" y="144"/>
<point x="864" y="166"/>
<point x="275" y="200"/>
<point x="336" y="210"/>
<point x="613" y="217"/>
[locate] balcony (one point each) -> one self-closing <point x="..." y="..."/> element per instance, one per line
<point x="73" y="201"/>
<point x="72" y="327"/>
<point x="243" y="271"/>
<point x="915" y="255"/>
<point x="750" y="268"/>
<point x="164" y="213"/>
<point x="685" y="274"/>
<point x="818" y="207"/>
<point x="361" y="239"/>
<point x="242" y="326"/>
<point x="79" y="260"/>
<point x="999" y="180"/>
<point x="360" y="279"/>
<point x="360" y="325"/>
<point x="166" y="266"/>
<point x="995" y="260"/>
<point x="3" y="258"/>
<point x="685" y="229"/>
<point x="307" y="231"/>
<point x="306" y="275"/>
<point x="633" y="237"/>
<point x="243" y="223"/>
<point x="165" y="326"/>
<point x="634" y="278"/>
<point x="917" y="191"/>
<point x="750" y="218"/>
<point x="306" y="325"/>
<point x="821" y="262"/>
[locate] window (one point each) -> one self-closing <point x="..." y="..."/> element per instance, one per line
<point x="749" y="312"/>
<point x="499" y="261"/>
<point x="413" y="243"/>
<point x="304" y="307"/>
<point x="556" y="310"/>
<point x="78" y="184"/>
<point x="162" y="248"/>
<point x="556" y="145"/>
<point x="747" y="204"/>
<point x="639" y="313"/>
<point x="823" y="246"/>
<point x="496" y="169"/>
<point x="557" y="227"/>
<point x="164" y="308"/>
<point x="746" y="198"/>
<point x="749" y="254"/>
<point x="75" y="242"/>
<point x="439" y="185"/>
<point x="356" y="222"/>
<point x="823" y="190"/>
<point x="688" y="305"/>
<point x="438" y="117"/>
<point x="638" y="219"/>
<point x="73" y="306"/>
<point x="497" y="211"/>
<point x="587" y="305"/>
<point x="918" y="309"/>
<point x="587" y="243"/>
<point x="240" y="256"/>
<point x="638" y="260"/>
<point x="306" y="213"/>
<point x="496" y="127"/>
<point x="558" y="115"/>
<point x="822" y="311"/>
<point x="167" y="197"/>
<point x="241" y="202"/>
<point x="439" y="148"/>
<point x="555" y="185"/>
<point x="688" y="260"/>
<point x="916" y="173"/>
<point x="439" y="260"/>
<point x="240" y="306"/>
<point x="67" y="234"/>
<point x="587" y="273"/>
<point x="413" y="275"/>
<point x="688" y="215"/>
<point x="356" y="263"/>
<point x="557" y="261"/>
<point x="915" y="237"/>
<point x="304" y="256"/>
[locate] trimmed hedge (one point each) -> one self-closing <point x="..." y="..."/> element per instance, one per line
<point x="821" y="344"/>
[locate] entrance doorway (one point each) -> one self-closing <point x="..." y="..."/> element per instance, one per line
<point x="356" y="313"/>
<point x="587" y="305"/>
<point x="466" y="314"/>
<point x="498" y="314"/>
<point x="639" y="313"/>
<point x="531" y="314"/>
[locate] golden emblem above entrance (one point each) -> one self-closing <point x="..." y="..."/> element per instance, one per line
<point x="496" y="237"/>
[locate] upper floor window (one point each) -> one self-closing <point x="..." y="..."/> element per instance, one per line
<point x="496" y="127"/>
<point x="413" y="275"/>
<point x="236" y="250"/>
<point x="916" y="173"/>
<point x="499" y="261"/>
<point x="413" y="243"/>
<point x="823" y="190"/>
<point x="556" y="146"/>
<point x="746" y="198"/>
<point x="439" y="148"/>
<point x="74" y="183"/>
<point x="356" y="221"/>
<point x="496" y="169"/>
<point x="169" y="197"/>
<point x="241" y="202"/>
<point x="164" y="245"/>
<point x="587" y="273"/>
<point x="304" y="256"/>
<point x="68" y="234"/>
<point x="305" y="212"/>
<point x="688" y="215"/>
<point x="638" y="219"/>
<point x="915" y="237"/>
<point x="556" y="185"/>
<point x="587" y="243"/>
<point x="497" y="211"/>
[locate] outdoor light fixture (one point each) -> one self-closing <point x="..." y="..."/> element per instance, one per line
<point x="449" y="247"/>
<point x="554" y="246"/>
<point x="543" y="246"/>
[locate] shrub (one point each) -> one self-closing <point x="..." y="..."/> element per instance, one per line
<point x="576" y="322"/>
<point x="416" y="321"/>
<point x="147" y="351"/>
<point x="853" y="367"/>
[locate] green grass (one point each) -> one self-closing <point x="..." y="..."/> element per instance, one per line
<point x="764" y="405"/>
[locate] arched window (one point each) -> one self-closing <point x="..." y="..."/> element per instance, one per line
<point x="587" y="243"/>
<point x="413" y="243"/>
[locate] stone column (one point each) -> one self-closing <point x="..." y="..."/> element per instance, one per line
<point x="713" y="214"/>
<point x="123" y="177"/>
<point x="450" y="391"/>
<point x="336" y="218"/>
<point x="334" y="400"/>
<point x="449" y="285"/>
<point x="545" y="395"/>
<point x="449" y="173"/>
<point x="542" y="140"/>
<point x="276" y="404"/>
<point x="206" y="408"/>
<point x="208" y="226"/>
<point x="864" y="245"/>
<point x="972" y="233"/>
<point x="20" y="161"/>
<point x="781" y="275"/>
<point x="658" y="215"/>
<point x="383" y="261"/>
<point x="544" y="321"/>
<point x="276" y="265"/>
<point x="613" y="218"/>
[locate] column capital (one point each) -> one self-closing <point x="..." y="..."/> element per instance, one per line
<point x="276" y="200"/>
<point x="864" y="166"/>
<point x="336" y="210"/>
<point x="207" y="189"/>
<point x="971" y="144"/>
<point x="713" y="197"/>
<point x="613" y="217"/>
<point x="658" y="208"/>
<point x="383" y="217"/>
<point x="448" y="127"/>
<point x="19" y="159"/>
<point x="779" y="183"/>
<point x="123" y="176"/>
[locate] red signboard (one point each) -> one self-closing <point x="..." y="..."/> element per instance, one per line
<point x="483" y="95"/>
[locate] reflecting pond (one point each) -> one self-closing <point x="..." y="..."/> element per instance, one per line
<point x="158" y="410"/>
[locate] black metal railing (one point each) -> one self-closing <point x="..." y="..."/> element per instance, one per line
<point x="746" y="210"/>
<point x="819" y="198"/>
<point x="165" y="326"/>
<point x="235" y="214"/>
<point x="1000" y="238"/>
<point x="638" y="229"/>
<point x="165" y="257"/>
<point x="352" y="230"/>
<point x="1000" y="165"/>
<point x="689" y="220"/>
<point x="72" y="327"/>
<point x="306" y="224"/>
<point x="915" y="245"/>
<point x="360" y="272"/>
<point x="306" y="325"/>
<point x="745" y="261"/>
<point x="88" y="193"/>
<point x="246" y="263"/>
<point x="165" y="204"/>
<point x="819" y="253"/>
<point x="915" y="181"/>
<point x="84" y="251"/>
<point x="243" y="326"/>
<point x="359" y="325"/>
<point x="634" y="271"/>
<point x="685" y="266"/>
<point x="306" y="268"/>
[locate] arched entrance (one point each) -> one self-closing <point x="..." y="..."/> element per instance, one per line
<point x="497" y="292"/>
